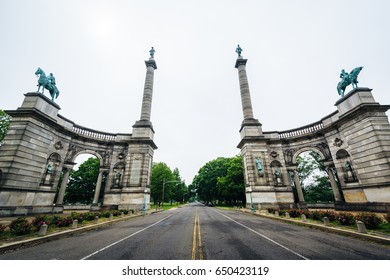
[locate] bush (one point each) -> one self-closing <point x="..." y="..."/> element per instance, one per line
<point x="20" y="226"/>
<point x="104" y="214"/>
<point x="346" y="219"/>
<point x="282" y="212"/>
<point x="371" y="220"/>
<point x="116" y="213"/>
<point x="2" y="228"/>
<point x="332" y="216"/>
<point x="63" y="221"/>
<point x="308" y="213"/>
<point x="294" y="213"/>
<point x="89" y="216"/>
<point x="272" y="210"/>
<point x="77" y="216"/>
<point x="387" y="217"/>
<point x="317" y="215"/>
<point x="42" y="219"/>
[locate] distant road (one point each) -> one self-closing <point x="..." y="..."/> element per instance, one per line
<point x="199" y="232"/>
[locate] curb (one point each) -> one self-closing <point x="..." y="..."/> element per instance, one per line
<point x="369" y="237"/>
<point x="56" y="235"/>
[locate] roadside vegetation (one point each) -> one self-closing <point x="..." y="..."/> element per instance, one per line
<point x="22" y="226"/>
<point x="379" y="223"/>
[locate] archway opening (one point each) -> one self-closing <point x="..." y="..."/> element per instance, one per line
<point x="83" y="180"/>
<point x="314" y="178"/>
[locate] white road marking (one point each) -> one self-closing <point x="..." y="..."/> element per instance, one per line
<point x="265" y="237"/>
<point x="123" y="239"/>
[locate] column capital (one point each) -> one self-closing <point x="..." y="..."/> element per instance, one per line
<point x="151" y="63"/>
<point x="240" y="61"/>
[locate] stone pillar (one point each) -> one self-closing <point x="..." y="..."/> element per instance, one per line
<point x="298" y="186"/>
<point x="336" y="192"/>
<point x="64" y="183"/>
<point x="98" y="187"/>
<point x="244" y="88"/>
<point x="148" y="90"/>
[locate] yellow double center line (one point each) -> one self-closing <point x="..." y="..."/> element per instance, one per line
<point x="197" y="240"/>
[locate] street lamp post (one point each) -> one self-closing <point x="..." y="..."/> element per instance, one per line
<point x="144" y="209"/>
<point x="252" y="207"/>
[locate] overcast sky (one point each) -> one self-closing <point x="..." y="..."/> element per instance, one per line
<point x="96" y="50"/>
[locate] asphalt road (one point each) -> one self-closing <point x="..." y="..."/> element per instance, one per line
<point x="199" y="232"/>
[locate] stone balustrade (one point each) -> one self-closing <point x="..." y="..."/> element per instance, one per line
<point x="86" y="132"/>
<point x="307" y="129"/>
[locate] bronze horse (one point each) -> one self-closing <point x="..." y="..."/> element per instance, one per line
<point x="348" y="79"/>
<point x="47" y="83"/>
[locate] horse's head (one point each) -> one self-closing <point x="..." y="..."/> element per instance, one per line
<point x="39" y="71"/>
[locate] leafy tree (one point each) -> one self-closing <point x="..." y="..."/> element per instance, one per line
<point x="161" y="173"/>
<point x="319" y="191"/>
<point x="221" y="179"/>
<point x="231" y="188"/>
<point x="4" y="124"/>
<point x="206" y="180"/>
<point x="179" y="187"/>
<point x="314" y="179"/>
<point x="82" y="182"/>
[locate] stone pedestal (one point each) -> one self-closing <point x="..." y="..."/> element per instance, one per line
<point x="364" y="164"/>
<point x="26" y="185"/>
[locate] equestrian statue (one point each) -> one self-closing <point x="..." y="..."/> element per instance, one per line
<point x="48" y="83"/>
<point x="348" y="79"/>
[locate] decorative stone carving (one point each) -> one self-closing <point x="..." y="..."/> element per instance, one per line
<point x="58" y="145"/>
<point x="324" y="148"/>
<point x="72" y="150"/>
<point x="288" y="156"/>
<point x="338" y="142"/>
<point x="273" y="154"/>
<point x="122" y="154"/>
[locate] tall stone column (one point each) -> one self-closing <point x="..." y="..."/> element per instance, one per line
<point x="98" y="188"/>
<point x="148" y="90"/>
<point x="64" y="183"/>
<point x="298" y="186"/>
<point x="336" y="192"/>
<point x="244" y="89"/>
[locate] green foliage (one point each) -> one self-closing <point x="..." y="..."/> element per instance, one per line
<point x="161" y="182"/>
<point x="77" y="216"/>
<point x="221" y="179"/>
<point x="89" y="216"/>
<point x="168" y="184"/>
<point x="207" y="178"/>
<point x="42" y="219"/>
<point x="179" y="188"/>
<point x="20" y="226"/>
<point x="346" y="219"/>
<point x="4" y="124"/>
<point x="2" y="228"/>
<point x="370" y="220"/>
<point x="61" y="221"/>
<point x="319" y="191"/>
<point x="231" y="188"/>
<point x="82" y="182"/>
<point x="314" y="179"/>
<point x="294" y="213"/>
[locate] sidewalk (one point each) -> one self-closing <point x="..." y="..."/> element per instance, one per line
<point x="371" y="236"/>
<point x="34" y="238"/>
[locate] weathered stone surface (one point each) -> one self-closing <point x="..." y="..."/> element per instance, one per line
<point x="359" y="130"/>
<point x="39" y="137"/>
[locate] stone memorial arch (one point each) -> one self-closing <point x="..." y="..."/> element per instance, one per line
<point x="353" y="143"/>
<point x="41" y="144"/>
